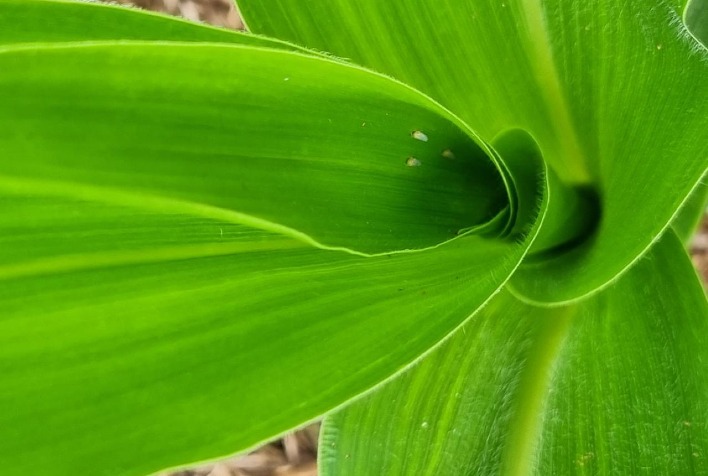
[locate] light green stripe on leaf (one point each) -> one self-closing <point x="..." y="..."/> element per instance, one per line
<point x="307" y="143"/>
<point x="166" y="214"/>
<point x="120" y="340"/>
<point x="612" y="385"/>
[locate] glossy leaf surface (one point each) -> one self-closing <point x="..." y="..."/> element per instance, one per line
<point x="613" y="385"/>
<point x="271" y="140"/>
<point x="206" y="229"/>
<point x="162" y="212"/>
<point x="610" y="91"/>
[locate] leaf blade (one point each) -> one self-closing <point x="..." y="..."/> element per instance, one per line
<point x="114" y="358"/>
<point x="341" y="145"/>
<point x="167" y="308"/>
<point x="614" y="383"/>
<point x="558" y="75"/>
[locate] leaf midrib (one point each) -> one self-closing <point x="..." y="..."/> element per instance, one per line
<point x="154" y="203"/>
<point x="536" y="381"/>
<point x="540" y="53"/>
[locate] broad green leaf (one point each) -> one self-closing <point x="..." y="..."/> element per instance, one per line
<point x="108" y="354"/>
<point x="608" y="90"/>
<point x="160" y="212"/>
<point x="565" y="218"/>
<point x="612" y="385"/>
<point x="309" y="145"/>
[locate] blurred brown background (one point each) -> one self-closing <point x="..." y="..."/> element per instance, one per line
<point x="216" y="12"/>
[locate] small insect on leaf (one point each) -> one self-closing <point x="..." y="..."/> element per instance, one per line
<point x="412" y="162"/>
<point x="419" y="135"/>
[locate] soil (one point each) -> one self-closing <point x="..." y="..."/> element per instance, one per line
<point x="293" y="455"/>
<point x="216" y="12"/>
<point x="699" y="250"/>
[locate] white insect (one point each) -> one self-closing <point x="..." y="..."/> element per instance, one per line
<point x="412" y="162"/>
<point x="419" y="135"/>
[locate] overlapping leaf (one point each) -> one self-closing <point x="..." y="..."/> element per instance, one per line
<point x="612" y="385"/>
<point x="291" y="152"/>
<point x="244" y="235"/>
<point x="611" y="92"/>
<point x="184" y="241"/>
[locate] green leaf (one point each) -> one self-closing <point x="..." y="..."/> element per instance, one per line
<point x="607" y="89"/>
<point x="612" y="385"/>
<point x="256" y="132"/>
<point x="166" y="218"/>
<point x="114" y="353"/>
<point x="241" y="237"/>
<point x="690" y="215"/>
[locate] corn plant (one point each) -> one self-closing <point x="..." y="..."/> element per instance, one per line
<point x="455" y="229"/>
